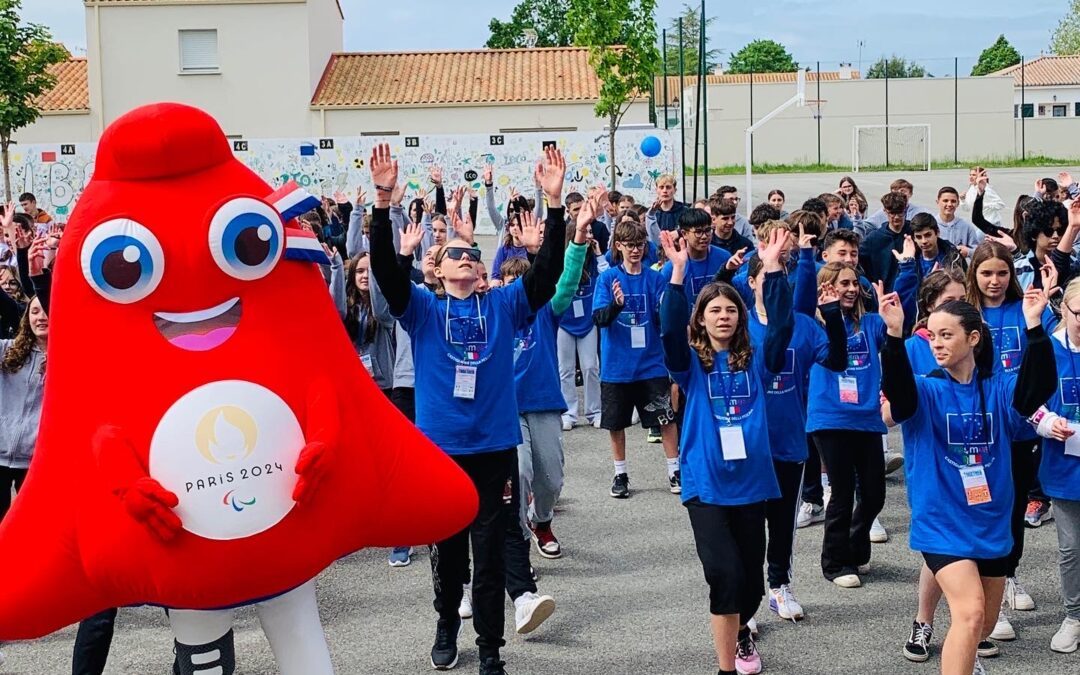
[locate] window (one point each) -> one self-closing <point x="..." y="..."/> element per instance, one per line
<point x="1042" y="110"/>
<point x="1076" y="112"/>
<point x="1029" y="109"/>
<point x="199" y="51"/>
<point x="1061" y="110"/>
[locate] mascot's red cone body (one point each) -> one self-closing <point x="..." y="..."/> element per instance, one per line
<point x="198" y="381"/>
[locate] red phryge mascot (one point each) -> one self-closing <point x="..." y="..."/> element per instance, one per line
<point x="208" y="436"/>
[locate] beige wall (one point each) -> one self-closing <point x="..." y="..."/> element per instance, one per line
<point x="263" y="89"/>
<point x="466" y="119"/>
<point x="57" y="128"/>
<point x="1053" y="137"/>
<point x="325" y="37"/>
<point x="985" y="116"/>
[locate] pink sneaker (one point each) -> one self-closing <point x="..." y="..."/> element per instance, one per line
<point x="747" y="659"/>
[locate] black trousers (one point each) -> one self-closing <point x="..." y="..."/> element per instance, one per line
<point x="1025" y="468"/>
<point x="9" y="478"/>
<point x="850" y="457"/>
<point x="404" y="399"/>
<point x="1036" y="492"/>
<point x="92" y="643"/>
<point x="490" y="472"/>
<point x="730" y="542"/>
<point x="516" y="552"/>
<point x="812" y="491"/>
<point x="781" y="515"/>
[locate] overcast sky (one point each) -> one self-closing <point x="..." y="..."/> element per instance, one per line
<point x="827" y="30"/>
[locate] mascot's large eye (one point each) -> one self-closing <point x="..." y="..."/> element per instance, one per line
<point x="246" y="238"/>
<point x="122" y="260"/>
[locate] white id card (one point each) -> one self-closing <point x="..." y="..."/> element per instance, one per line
<point x="579" y="309"/>
<point x="465" y="382"/>
<point x="366" y="360"/>
<point x="732" y="444"/>
<point x="1072" y="443"/>
<point x="976" y="488"/>
<point x="849" y="390"/>
<point x="637" y="337"/>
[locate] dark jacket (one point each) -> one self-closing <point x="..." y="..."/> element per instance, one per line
<point x="733" y="243"/>
<point x="876" y="254"/>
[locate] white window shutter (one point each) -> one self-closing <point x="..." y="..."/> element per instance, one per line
<point x="198" y="51"/>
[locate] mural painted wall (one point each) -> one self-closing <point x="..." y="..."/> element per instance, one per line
<point x="57" y="173"/>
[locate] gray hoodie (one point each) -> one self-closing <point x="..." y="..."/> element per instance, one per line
<point x="20" y="409"/>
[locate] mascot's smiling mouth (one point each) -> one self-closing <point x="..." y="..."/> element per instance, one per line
<point x="202" y="330"/>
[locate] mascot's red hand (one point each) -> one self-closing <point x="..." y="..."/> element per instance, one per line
<point x="323" y="430"/>
<point x="152" y="506"/>
<point x="311" y="466"/>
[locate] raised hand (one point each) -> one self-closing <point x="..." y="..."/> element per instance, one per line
<point x="421" y="194"/>
<point x="464" y="228"/>
<point x="411" y="237"/>
<point x="892" y="313"/>
<point x="9" y="218"/>
<point x="327" y="249"/>
<point x="1065" y="179"/>
<point x="538" y="174"/>
<point x="487" y="174"/>
<point x="340" y="198"/>
<point x="1049" y="276"/>
<point x="554" y="175"/>
<point x="435" y="175"/>
<point x="827" y="293"/>
<point x="384" y="173"/>
<point x="587" y="214"/>
<point x="36" y="256"/>
<point x="770" y="253"/>
<point x="981" y="181"/>
<point x="908" y="251"/>
<point x="1074" y="214"/>
<point x="617" y="294"/>
<point x="531" y="233"/>
<point x="805" y="240"/>
<point x="1007" y="241"/>
<point x="429" y="205"/>
<point x="471" y="192"/>
<point x="1035" y="301"/>
<point x="361" y="197"/>
<point x="736" y="261"/>
<point x="674" y="249"/>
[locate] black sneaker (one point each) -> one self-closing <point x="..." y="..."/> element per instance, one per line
<point x="987" y="649"/>
<point x="620" y="486"/>
<point x="917" y="648"/>
<point x="492" y="666"/>
<point x="676" y="483"/>
<point x="444" y="654"/>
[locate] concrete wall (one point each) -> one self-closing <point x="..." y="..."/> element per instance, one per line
<point x="1055" y="137"/>
<point x="984" y="104"/>
<point x="57" y="128"/>
<point x="263" y="88"/>
<point x="325" y="37"/>
<point x="488" y="119"/>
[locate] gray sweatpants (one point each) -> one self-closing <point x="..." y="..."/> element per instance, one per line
<point x="1067" y="517"/>
<point x="584" y="348"/>
<point x="540" y="465"/>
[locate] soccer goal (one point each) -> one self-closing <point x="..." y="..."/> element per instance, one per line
<point x="885" y="145"/>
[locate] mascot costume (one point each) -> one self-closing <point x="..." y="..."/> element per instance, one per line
<point x="208" y="438"/>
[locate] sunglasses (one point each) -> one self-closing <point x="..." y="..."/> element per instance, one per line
<point x="459" y="252"/>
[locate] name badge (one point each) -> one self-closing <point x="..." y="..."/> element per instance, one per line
<point x="975" y="486"/>
<point x="465" y="382"/>
<point x="366" y="360"/>
<point x="849" y="390"/>
<point x="579" y="309"/>
<point x="637" y="337"/>
<point x="1072" y="443"/>
<point x="732" y="444"/>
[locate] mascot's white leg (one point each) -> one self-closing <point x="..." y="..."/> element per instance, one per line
<point x="292" y="626"/>
<point x="204" y="641"/>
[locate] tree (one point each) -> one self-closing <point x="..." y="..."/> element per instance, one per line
<point x="999" y="55"/>
<point x="546" y="17"/>
<point x="762" y="56"/>
<point x="691" y="21"/>
<point x="621" y="37"/>
<point x="1065" y="39"/>
<point x="894" y="67"/>
<point x="26" y="53"/>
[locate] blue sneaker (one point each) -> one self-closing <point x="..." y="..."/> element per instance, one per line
<point x="401" y="556"/>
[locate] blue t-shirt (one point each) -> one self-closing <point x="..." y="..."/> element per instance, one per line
<point x="1008" y="329"/>
<point x="699" y="272"/>
<point x="622" y="362"/>
<point x="449" y="335"/>
<point x="785" y="397"/>
<point x="826" y="410"/>
<point x="578" y="318"/>
<point x="955" y="428"/>
<point x="920" y="355"/>
<point x="1060" y="473"/>
<point x="536" y="365"/>
<point x="720" y="398"/>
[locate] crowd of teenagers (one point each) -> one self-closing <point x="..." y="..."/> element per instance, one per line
<point x="767" y="355"/>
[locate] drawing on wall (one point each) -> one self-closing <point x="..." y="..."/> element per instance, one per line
<point x="57" y="174"/>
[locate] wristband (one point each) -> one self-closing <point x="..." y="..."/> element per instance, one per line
<point x="383" y="188"/>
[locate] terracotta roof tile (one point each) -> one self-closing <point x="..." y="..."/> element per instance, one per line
<point x="554" y="74"/>
<point x="71" y="92"/>
<point x="1046" y="71"/>
<point x="728" y="78"/>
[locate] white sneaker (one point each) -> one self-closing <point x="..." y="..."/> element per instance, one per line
<point x="596" y="422"/>
<point x="1017" y="597"/>
<point x="848" y="581"/>
<point x="1067" y="637"/>
<point x="1003" y="629"/>
<point x="464" y="610"/>
<point x="826" y="492"/>
<point x="810" y="514"/>
<point x="878" y="533"/>
<point x="567" y="423"/>
<point x="893" y="462"/>
<point x="782" y="601"/>
<point x="531" y="610"/>
<point x="752" y="625"/>
<point x="979" y="668"/>
<point x="635" y="418"/>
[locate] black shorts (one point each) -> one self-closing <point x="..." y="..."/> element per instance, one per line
<point x="651" y="397"/>
<point x="993" y="567"/>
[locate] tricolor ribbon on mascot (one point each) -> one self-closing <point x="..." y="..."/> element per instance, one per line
<point x="291" y="200"/>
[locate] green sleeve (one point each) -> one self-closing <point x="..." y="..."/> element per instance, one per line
<point x="570" y="279"/>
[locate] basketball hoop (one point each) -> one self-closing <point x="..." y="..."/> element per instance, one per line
<point x="816" y="106"/>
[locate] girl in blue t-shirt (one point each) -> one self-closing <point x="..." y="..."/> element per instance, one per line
<point x="957" y="424"/>
<point x="993" y="289"/>
<point x="726" y="462"/>
<point x="844" y="420"/>
<point x="463" y="346"/>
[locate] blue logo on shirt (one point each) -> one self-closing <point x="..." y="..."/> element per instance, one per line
<point x="729" y="394"/>
<point x="1070" y="390"/>
<point x="970" y="437"/>
<point x="700" y="282"/>
<point x="1007" y="342"/>
<point x="784" y="381"/>
<point x="469" y="333"/>
<point x="858" y="351"/>
<point x="635" y="311"/>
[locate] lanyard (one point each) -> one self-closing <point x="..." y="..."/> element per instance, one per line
<point x="968" y="424"/>
<point x="725" y="386"/>
<point x="1072" y="368"/>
